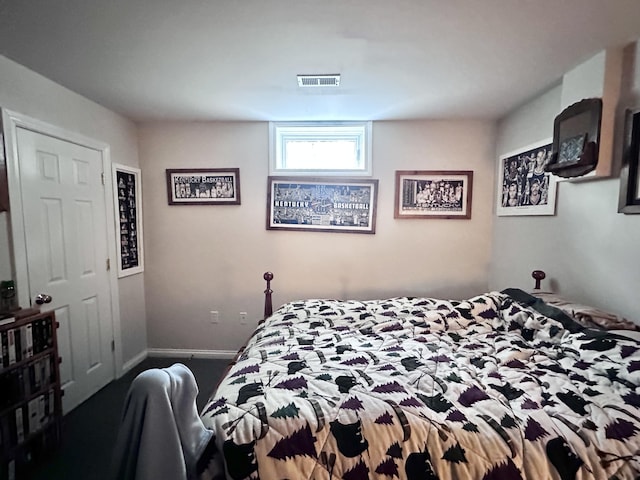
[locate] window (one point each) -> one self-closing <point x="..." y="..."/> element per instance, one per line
<point x="326" y="148"/>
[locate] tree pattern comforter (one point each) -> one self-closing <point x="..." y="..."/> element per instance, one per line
<point x="421" y="388"/>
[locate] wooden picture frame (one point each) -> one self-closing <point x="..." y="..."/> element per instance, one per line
<point x="203" y="186"/>
<point x="576" y="136"/>
<point x="525" y="187"/>
<point x="322" y="204"/>
<point x="127" y="198"/>
<point x="443" y="194"/>
<point x="629" y="199"/>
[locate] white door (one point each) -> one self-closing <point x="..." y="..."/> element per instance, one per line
<point x="63" y="200"/>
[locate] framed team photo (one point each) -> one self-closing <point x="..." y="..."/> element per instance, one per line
<point x="433" y="194"/>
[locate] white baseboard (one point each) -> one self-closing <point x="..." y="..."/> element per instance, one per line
<point x="186" y="353"/>
<point x="128" y="365"/>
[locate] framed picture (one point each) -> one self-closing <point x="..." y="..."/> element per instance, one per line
<point x="576" y="134"/>
<point x="524" y="185"/>
<point x="127" y="199"/>
<point x="629" y="200"/>
<point x="322" y="204"/>
<point x="203" y="186"/>
<point x="433" y="194"/>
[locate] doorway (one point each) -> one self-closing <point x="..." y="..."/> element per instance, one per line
<point x="63" y="239"/>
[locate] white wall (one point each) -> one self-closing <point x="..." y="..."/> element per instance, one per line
<point x="588" y="250"/>
<point x="28" y="93"/>
<point x="202" y="258"/>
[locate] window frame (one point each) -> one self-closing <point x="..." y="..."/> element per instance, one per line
<point x="279" y="131"/>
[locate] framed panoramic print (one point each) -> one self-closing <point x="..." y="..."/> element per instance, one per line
<point x="524" y="186"/>
<point x="203" y="186"/>
<point x="322" y="204"/>
<point x="128" y="214"/>
<point x="433" y="194"/>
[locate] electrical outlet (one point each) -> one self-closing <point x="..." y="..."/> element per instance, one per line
<point x="215" y="316"/>
<point x="243" y="318"/>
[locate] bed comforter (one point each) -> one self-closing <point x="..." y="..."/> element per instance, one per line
<point x="420" y="388"/>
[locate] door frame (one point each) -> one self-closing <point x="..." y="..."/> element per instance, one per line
<point x="11" y="121"/>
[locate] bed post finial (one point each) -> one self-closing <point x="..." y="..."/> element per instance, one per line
<point x="538" y="275"/>
<point x="268" y="307"/>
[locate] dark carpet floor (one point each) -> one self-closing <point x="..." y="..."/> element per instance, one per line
<point x="89" y="432"/>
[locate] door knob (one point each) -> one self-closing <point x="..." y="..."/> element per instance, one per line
<point x="42" y="298"/>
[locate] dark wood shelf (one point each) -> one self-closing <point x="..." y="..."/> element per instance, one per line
<point x="22" y="443"/>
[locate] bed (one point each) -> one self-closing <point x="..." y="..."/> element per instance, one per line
<point x="499" y="386"/>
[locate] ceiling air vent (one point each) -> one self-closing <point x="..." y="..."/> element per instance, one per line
<point x="319" y="80"/>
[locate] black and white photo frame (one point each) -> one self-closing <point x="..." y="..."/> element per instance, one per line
<point x="127" y="199"/>
<point x="524" y="185"/>
<point x="203" y="186"/>
<point x="434" y="194"/>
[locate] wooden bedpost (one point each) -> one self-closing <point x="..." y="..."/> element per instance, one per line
<point x="538" y="275"/>
<point x="268" y="306"/>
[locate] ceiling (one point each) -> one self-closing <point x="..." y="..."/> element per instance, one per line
<point x="238" y="59"/>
